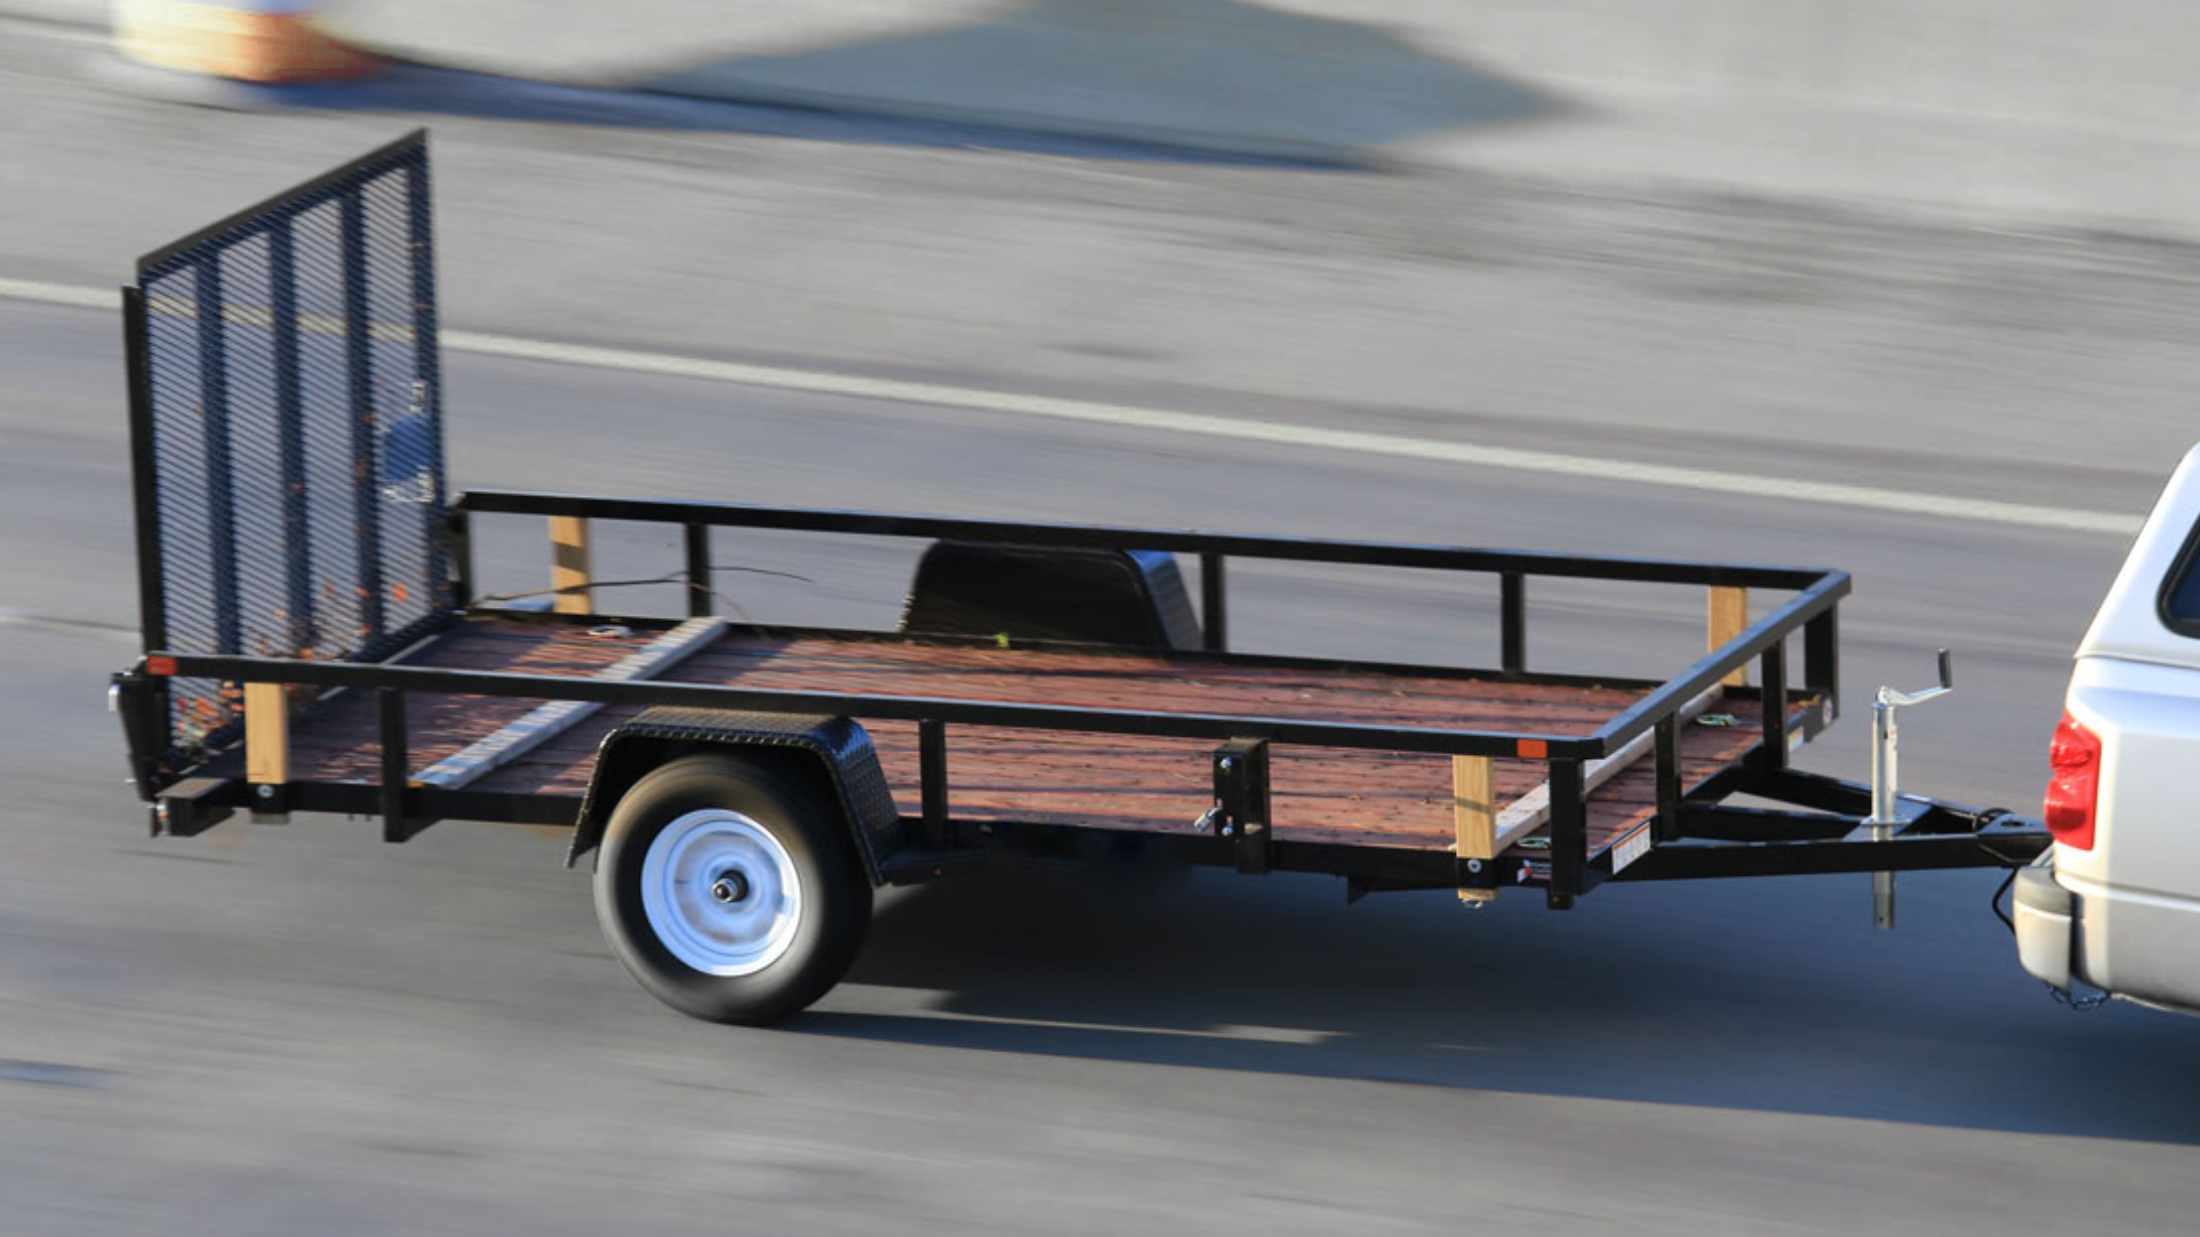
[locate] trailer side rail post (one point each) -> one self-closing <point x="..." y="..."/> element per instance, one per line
<point x="396" y="763"/>
<point x="1512" y="622"/>
<point x="1569" y="834"/>
<point x="1822" y="660"/>
<point x="1774" y="705"/>
<point x="700" y="598"/>
<point x="458" y="550"/>
<point x="932" y="782"/>
<point x="1666" y="825"/>
<point x="1214" y="605"/>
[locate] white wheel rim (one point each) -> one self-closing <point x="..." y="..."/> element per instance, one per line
<point x="721" y="893"/>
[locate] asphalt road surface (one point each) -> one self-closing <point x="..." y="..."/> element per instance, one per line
<point x="297" y="1029"/>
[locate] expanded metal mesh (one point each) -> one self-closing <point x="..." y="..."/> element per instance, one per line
<point x="290" y="394"/>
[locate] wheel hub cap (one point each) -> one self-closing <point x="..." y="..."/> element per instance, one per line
<point x="721" y="893"/>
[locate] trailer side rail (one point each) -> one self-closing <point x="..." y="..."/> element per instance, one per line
<point x="1735" y="643"/>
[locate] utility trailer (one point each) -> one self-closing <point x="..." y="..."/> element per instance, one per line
<point x="314" y="642"/>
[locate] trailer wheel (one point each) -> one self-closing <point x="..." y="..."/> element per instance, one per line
<point x="731" y="889"/>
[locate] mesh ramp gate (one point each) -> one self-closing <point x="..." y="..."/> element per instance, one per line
<point x="286" y="433"/>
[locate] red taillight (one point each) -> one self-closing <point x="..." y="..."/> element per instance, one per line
<point x="2075" y="785"/>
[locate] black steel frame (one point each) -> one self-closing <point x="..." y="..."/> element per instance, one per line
<point x="1692" y="836"/>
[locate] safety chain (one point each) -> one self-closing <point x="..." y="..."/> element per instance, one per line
<point x="2074" y="1001"/>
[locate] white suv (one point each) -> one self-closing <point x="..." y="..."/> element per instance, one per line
<point x="2115" y="903"/>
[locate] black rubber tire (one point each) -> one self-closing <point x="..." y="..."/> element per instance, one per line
<point x="836" y="892"/>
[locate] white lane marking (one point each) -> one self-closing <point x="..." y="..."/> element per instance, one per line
<point x="53" y="31"/>
<point x="1431" y="450"/>
<point x="1901" y="502"/>
<point x="60" y="294"/>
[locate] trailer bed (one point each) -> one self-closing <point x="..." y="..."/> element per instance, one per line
<point x="1147" y="784"/>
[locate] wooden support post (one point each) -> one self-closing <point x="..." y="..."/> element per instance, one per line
<point x="266" y="734"/>
<point x="1473" y="816"/>
<point x="1729" y="615"/>
<point x="569" y="565"/>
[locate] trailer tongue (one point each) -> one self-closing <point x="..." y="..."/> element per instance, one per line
<point x="314" y="642"/>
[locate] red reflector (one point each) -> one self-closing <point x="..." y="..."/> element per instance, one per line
<point x="160" y="666"/>
<point x="2074" y="786"/>
<point x="1533" y="749"/>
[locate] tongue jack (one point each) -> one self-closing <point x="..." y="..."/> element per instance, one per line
<point x="1886" y="741"/>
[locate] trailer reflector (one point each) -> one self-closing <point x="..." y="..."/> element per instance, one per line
<point x="1533" y="749"/>
<point x="160" y="667"/>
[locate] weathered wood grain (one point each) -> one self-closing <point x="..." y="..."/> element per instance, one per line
<point x="1102" y="781"/>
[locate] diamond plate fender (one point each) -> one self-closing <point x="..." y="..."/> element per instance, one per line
<point x="837" y="749"/>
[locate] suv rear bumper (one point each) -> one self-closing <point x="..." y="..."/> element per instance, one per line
<point x="2047" y="917"/>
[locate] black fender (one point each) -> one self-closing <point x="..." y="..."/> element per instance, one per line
<point x="835" y="750"/>
<point x="1024" y="592"/>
